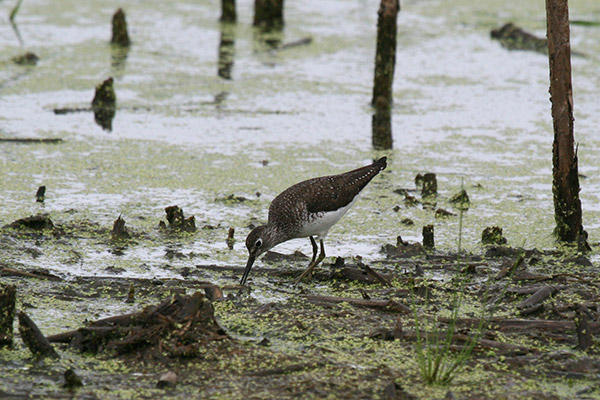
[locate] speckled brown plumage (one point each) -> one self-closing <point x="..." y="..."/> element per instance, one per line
<point x="306" y="200"/>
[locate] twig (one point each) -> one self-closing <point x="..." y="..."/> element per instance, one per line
<point x="390" y="305"/>
<point x="16" y="272"/>
<point x="31" y="140"/>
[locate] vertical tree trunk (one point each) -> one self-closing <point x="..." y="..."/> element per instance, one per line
<point x="565" y="184"/>
<point x="385" y="56"/>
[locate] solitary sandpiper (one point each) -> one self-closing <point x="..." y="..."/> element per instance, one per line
<point x="309" y="208"/>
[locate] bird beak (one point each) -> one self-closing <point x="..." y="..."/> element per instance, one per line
<point x="251" y="259"/>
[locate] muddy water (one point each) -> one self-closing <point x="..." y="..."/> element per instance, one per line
<point x="465" y="108"/>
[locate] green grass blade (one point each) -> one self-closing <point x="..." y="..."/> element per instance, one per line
<point x="15" y="10"/>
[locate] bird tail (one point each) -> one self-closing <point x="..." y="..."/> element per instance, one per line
<point x="381" y="163"/>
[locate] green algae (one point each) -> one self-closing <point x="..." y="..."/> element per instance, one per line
<point x="168" y="91"/>
<point x="284" y="347"/>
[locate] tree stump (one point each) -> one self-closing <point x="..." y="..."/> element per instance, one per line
<point x="268" y="14"/>
<point x="119" y="29"/>
<point x="104" y="104"/>
<point x="228" y="12"/>
<point x="8" y="294"/>
<point x="428" y="240"/>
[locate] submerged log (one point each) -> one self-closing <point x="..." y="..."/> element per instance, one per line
<point x="296" y="43"/>
<point x="29" y="59"/>
<point x="35" y="222"/>
<point x="512" y="37"/>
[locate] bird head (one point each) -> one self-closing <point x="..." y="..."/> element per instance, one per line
<point x="259" y="240"/>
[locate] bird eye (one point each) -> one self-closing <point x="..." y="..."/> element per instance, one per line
<point x="258" y="243"/>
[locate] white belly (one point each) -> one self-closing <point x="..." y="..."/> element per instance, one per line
<point x="321" y="225"/>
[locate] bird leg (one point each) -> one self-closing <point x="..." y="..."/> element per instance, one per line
<point x="314" y="261"/>
<point x="315" y="249"/>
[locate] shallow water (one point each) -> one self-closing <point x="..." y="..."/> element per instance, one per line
<point x="465" y="108"/>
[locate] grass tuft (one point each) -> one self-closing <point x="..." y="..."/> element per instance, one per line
<point x="437" y="361"/>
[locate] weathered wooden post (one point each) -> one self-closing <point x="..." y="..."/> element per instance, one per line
<point x="228" y="13"/>
<point x="104" y="104"/>
<point x="428" y="240"/>
<point x="385" y="56"/>
<point x="565" y="183"/>
<point x="120" y="42"/>
<point x="268" y="14"/>
<point x="385" y="62"/>
<point x="119" y="29"/>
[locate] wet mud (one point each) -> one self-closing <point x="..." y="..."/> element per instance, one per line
<point x="348" y="332"/>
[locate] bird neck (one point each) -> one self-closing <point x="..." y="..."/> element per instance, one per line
<point x="275" y="235"/>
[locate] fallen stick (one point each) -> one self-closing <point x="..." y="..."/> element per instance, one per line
<point x="355" y="274"/>
<point x="16" y="272"/>
<point x="118" y="320"/>
<point x="538" y="297"/>
<point x="285" y="370"/>
<point x="373" y="273"/>
<point x="516" y="324"/>
<point x="34" y="339"/>
<point x="31" y="140"/>
<point x="387" y="305"/>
